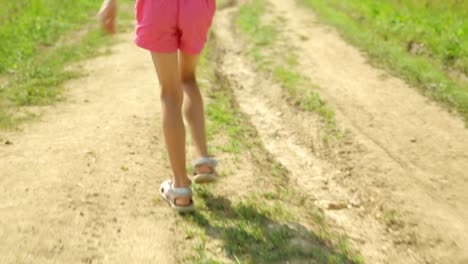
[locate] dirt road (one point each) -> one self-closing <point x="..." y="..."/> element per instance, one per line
<point x="79" y="186"/>
<point x="415" y="157"/>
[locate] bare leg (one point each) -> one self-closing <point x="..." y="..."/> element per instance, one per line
<point x="174" y="131"/>
<point x="193" y="105"/>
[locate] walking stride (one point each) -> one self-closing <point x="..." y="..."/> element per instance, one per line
<point x="175" y="32"/>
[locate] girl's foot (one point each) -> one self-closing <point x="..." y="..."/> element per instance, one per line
<point x="205" y="170"/>
<point x="178" y="198"/>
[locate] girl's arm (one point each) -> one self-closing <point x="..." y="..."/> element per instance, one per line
<point x="107" y="14"/>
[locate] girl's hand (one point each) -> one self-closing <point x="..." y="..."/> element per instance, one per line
<point x="107" y="15"/>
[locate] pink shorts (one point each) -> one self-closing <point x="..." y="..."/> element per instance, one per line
<point x="165" y="26"/>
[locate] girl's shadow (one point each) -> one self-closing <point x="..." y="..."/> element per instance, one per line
<point x="250" y="235"/>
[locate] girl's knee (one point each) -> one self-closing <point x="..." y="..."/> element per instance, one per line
<point x="171" y="96"/>
<point x="191" y="88"/>
<point x="188" y="81"/>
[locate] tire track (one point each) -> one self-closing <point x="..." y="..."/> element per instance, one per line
<point x="418" y="148"/>
<point x="286" y="134"/>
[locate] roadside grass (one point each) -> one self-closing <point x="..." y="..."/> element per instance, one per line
<point x="425" y="42"/>
<point x="275" y="56"/>
<point x="40" y="40"/>
<point x="262" y="226"/>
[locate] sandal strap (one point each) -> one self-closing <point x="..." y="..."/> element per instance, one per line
<point x="212" y="162"/>
<point x="174" y="193"/>
<point x="180" y="192"/>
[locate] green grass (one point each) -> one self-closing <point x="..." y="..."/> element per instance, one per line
<point x="262" y="226"/>
<point x="224" y="119"/>
<point x="273" y="55"/>
<point x="28" y="26"/>
<point x="425" y="42"/>
<point x="38" y="40"/>
<point x="257" y="230"/>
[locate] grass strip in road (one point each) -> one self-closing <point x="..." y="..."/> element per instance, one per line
<point x="273" y="55"/>
<point x="424" y="42"/>
<point x="39" y="39"/>
<point x="262" y="226"/>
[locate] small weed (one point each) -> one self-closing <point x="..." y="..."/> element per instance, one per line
<point x="390" y="218"/>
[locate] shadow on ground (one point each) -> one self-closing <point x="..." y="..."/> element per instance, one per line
<point x="250" y="235"/>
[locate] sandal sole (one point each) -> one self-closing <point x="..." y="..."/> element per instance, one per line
<point x="205" y="178"/>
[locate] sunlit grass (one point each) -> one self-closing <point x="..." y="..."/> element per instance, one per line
<point x="39" y="39"/>
<point x="263" y="225"/>
<point x="274" y="55"/>
<point x="425" y="42"/>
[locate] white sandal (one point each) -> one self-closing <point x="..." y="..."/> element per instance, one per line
<point x="209" y="177"/>
<point x="170" y="195"/>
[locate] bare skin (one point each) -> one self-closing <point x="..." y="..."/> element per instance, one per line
<point x="177" y="76"/>
<point x="193" y="102"/>
<point x="107" y="15"/>
<point x="193" y="106"/>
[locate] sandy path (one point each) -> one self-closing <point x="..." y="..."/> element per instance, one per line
<point x="79" y="186"/>
<point x="416" y="155"/>
<point x="407" y="153"/>
<point x="287" y="133"/>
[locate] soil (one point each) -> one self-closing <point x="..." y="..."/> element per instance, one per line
<point x="415" y="157"/>
<point x="80" y="185"/>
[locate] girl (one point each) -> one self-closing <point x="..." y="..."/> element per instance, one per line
<point x="175" y="32"/>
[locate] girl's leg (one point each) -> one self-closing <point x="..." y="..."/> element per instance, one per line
<point x="193" y="105"/>
<point x="174" y="131"/>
